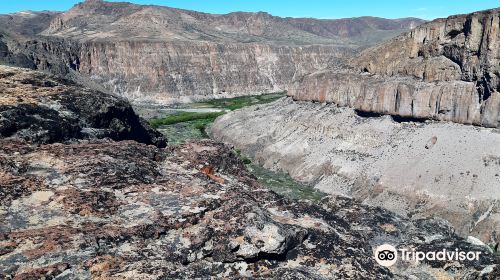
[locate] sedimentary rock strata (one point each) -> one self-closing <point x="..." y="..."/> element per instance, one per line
<point x="159" y="72"/>
<point x="456" y="101"/>
<point x="415" y="169"/>
<point x="447" y="69"/>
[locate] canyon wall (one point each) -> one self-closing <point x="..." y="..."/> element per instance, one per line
<point x="457" y="101"/>
<point x="163" y="72"/>
<point x="158" y="72"/>
<point x="447" y="69"/>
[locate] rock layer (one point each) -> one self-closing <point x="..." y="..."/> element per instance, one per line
<point x="447" y="69"/>
<point x="158" y="72"/>
<point x="455" y="101"/>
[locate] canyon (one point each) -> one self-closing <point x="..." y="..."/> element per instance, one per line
<point x="394" y="122"/>
<point x="107" y="204"/>
<point x="163" y="55"/>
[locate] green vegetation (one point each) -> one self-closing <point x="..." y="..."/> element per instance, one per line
<point x="238" y="102"/>
<point x="283" y="184"/>
<point x="243" y="158"/>
<point x="205" y="118"/>
<point x="183" y="126"/>
<point x="180" y="133"/>
<point x="280" y="182"/>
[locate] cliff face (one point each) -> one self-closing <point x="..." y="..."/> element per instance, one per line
<point x="456" y="101"/>
<point x="447" y="69"/>
<point x="171" y="71"/>
<point x="161" y="54"/>
<point x="159" y="72"/>
<point x="463" y="47"/>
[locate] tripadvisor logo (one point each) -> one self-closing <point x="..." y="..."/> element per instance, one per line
<point x="387" y="255"/>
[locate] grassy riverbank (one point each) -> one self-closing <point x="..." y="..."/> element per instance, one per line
<point x="238" y="102"/>
<point x="283" y="184"/>
<point x="203" y="118"/>
<point x="182" y="126"/>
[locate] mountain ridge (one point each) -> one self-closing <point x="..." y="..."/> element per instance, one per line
<point x="123" y="16"/>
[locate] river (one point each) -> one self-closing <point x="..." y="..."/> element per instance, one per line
<point x="181" y="123"/>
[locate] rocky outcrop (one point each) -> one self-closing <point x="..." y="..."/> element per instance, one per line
<point x="160" y="54"/>
<point x="44" y="109"/>
<point x="447" y="69"/>
<point x="456" y="101"/>
<point x="126" y="210"/>
<point x="462" y="47"/>
<point x="415" y="169"/>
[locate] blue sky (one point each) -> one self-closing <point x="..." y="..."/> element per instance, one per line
<point x="426" y="9"/>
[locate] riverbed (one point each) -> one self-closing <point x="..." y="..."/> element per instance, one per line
<point x="186" y="122"/>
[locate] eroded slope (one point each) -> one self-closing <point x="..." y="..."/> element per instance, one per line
<point x="415" y="169"/>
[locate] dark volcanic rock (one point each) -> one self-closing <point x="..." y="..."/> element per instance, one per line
<point x="44" y="109"/>
<point x="107" y="210"/>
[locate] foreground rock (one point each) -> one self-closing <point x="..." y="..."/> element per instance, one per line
<point x="414" y="169"/>
<point x="40" y="108"/>
<point x="447" y="69"/>
<point x="107" y="210"/>
<point x="160" y="54"/>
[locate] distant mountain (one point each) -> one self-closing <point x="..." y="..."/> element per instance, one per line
<point x="26" y="23"/>
<point x="98" y="20"/>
